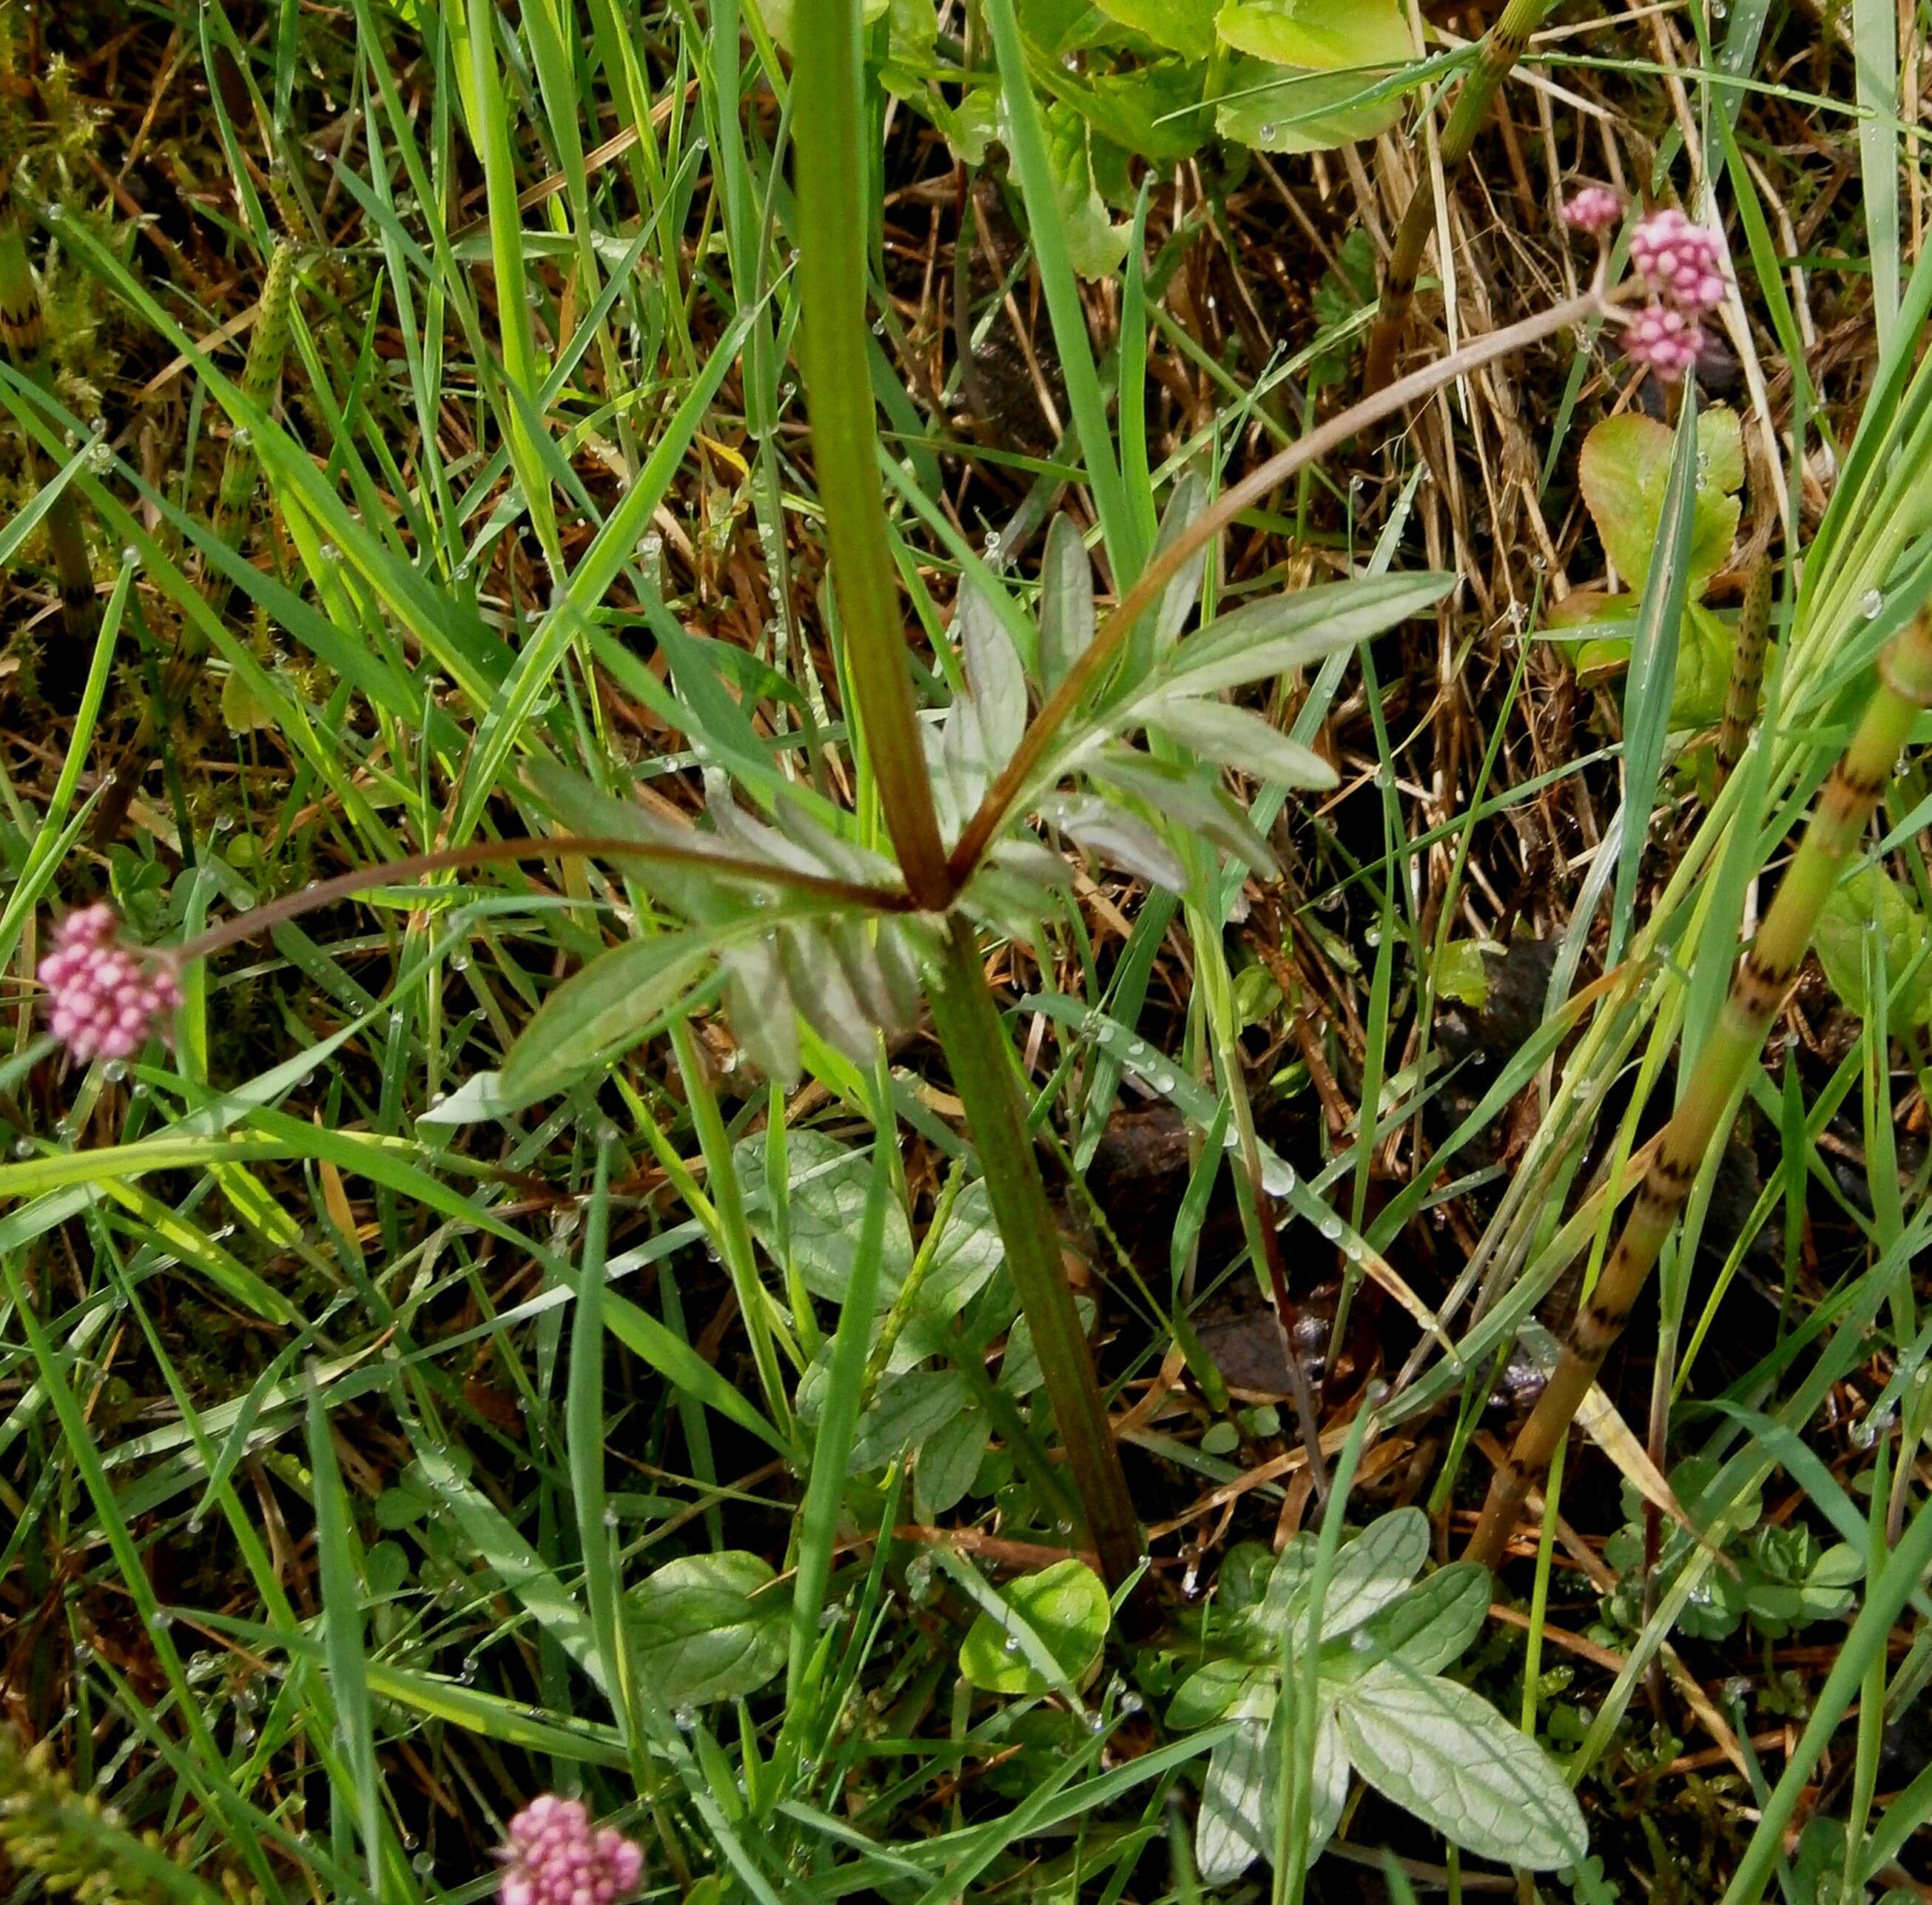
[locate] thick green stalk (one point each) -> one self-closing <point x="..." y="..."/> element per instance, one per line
<point x="23" y="332"/>
<point x="981" y="1057"/>
<point x="832" y="279"/>
<point x="1704" y="1116"/>
<point x="1747" y="670"/>
<point x="1501" y="47"/>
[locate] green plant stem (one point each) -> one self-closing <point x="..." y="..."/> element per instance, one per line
<point x="981" y="1057"/>
<point x="1501" y="47"/>
<point x="831" y="353"/>
<point x="1741" y="697"/>
<point x="1703" y="1116"/>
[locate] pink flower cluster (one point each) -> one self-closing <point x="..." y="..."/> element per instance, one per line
<point x="103" y="1000"/>
<point x="1683" y="264"/>
<point x="557" y="1857"/>
<point x="1664" y="339"/>
<point x="1594" y="209"/>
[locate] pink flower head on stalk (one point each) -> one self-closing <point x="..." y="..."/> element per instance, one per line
<point x="103" y="1000"/>
<point x="1665" y="340"/>
<point x="1594" y="209"/>
<point x="557" y="1857"/>
<point x="1681" y="262"/>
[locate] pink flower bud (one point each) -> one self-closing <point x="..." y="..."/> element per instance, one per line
<point x="104" y="999"/>
<point x="1664" y="339"/>
<point x="1595" y="208"/>
<point x="555" y="1856"/>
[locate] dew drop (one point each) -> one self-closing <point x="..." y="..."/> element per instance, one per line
<point x="1267" y="131"/>
<point x="685" y="1718"/>
<point x="23" y="1147"/>
<point x="1012" y="1644"/>
<point x="1873" y="606"/>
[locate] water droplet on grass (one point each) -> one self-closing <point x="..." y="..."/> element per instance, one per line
<point x="1873" y="606"/>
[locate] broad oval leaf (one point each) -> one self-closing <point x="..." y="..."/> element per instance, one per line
<point x="1231" y="1830"/>
<point x="1065" y="1607"/>
<point x="599" y="1012"/>
<point x="1624" y="471"/>
<point x="1187" y="25"/>
<point x="1290" y="109"/>
<point x="1869" y="906"/>
<point x="1210" y="1690"/>
<point x="1453" y="1760"/>
<point x="1327" y="35"/>
<point x="709" y="1627"/>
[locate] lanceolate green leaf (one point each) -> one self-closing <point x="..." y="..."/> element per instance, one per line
<point x="1654" y="669"/>
<point x="598" y="1012"/>
<point x="1238" y="737"/>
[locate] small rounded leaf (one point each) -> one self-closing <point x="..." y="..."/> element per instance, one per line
<point x="1065" y="1607"/>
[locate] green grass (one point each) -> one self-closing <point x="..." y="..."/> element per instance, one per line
<point x="371" y="1460"/>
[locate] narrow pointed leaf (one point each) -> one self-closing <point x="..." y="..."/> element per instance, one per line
<point x="1238" y="737"/>
<point x="1066" y="602"/>
<point x="598" y="1012"/>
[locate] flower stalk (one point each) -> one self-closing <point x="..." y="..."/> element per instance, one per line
<point x="832" y="280"/>
<point x="1703" y="1116"/>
